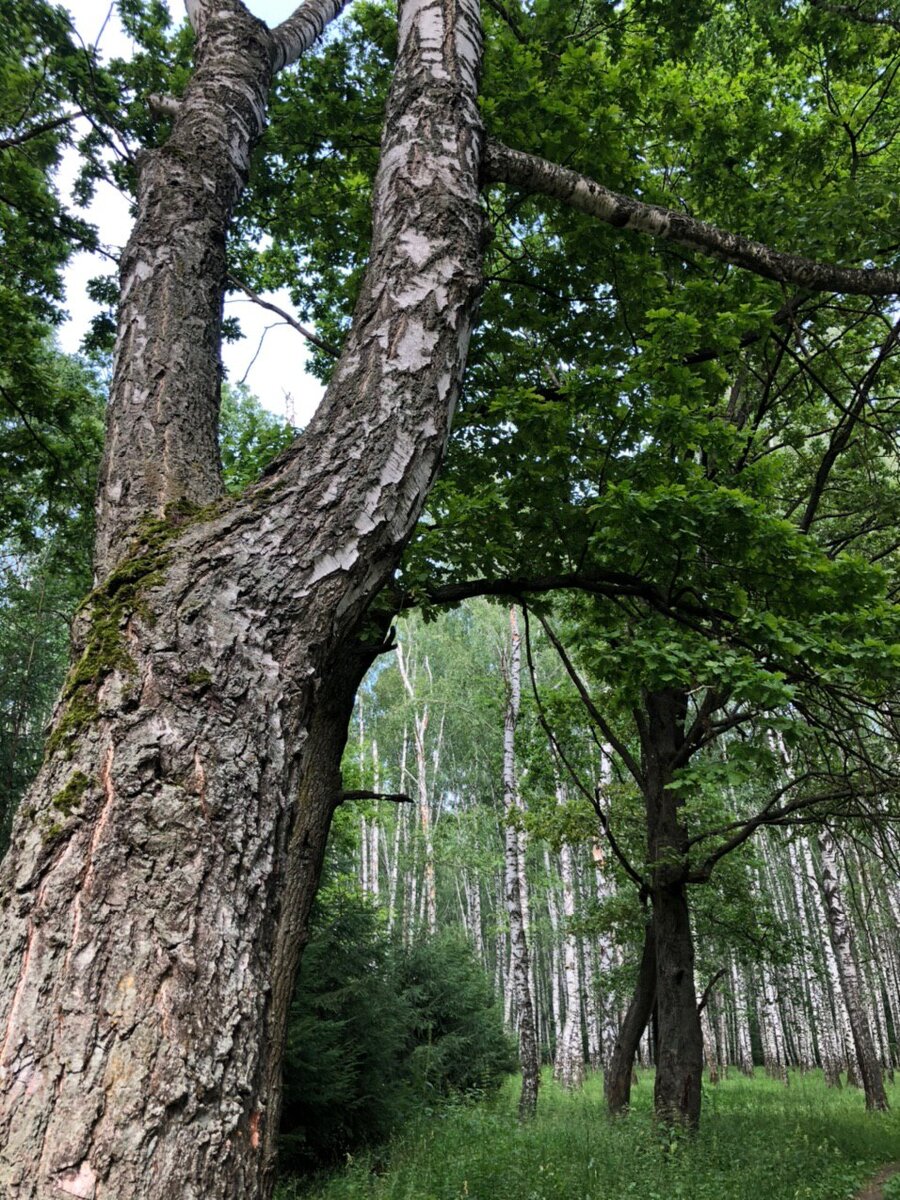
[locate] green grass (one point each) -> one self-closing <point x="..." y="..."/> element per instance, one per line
<point x="759" y="1140"/>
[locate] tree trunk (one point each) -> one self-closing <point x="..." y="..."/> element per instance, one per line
<point x="679" y="1053"/>
<point x="420" y="728"/>
<point x="519" y="959"/>
<point x="144" y="934"/>
<point x="679" y="1064"/>
<point x="842" y="943"/>
<point x="741" y="1020"/>
<point x="569" y="1064"/>
<point x="617" y="1076"/>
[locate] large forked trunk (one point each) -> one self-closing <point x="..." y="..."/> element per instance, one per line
<point x="617" y="1077"/>
<point x="163" y="863"/>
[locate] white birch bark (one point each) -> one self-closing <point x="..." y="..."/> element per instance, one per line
<point x="842" y="944"/>
<point x="569" y="1064"/>
<point x="420" y="729"/>
<point x="519" y="956"/>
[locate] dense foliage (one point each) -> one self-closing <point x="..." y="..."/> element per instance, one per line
<point x="380" y="1031"/>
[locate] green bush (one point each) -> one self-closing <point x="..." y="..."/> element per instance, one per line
<point x="378" y="1032"/>
<point x="457" y="1045"/>
<point x="344" y="1083"/>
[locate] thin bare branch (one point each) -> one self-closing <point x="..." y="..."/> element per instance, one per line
<point x="236" y="283"/>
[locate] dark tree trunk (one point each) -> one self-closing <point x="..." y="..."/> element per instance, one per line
<point x="148" y="936"/>
<point x="679" y="1063"/>
<point x="617" y="1080"/>
<point x="679" y="1057"/>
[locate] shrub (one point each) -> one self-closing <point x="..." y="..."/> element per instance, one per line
<point x="375" y="1031"/>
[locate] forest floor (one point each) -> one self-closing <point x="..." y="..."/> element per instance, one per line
<point x="759" y="1140"/>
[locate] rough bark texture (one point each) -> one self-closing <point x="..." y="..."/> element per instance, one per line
<point x="842" y="943"/>
<point x="679" y="1063"/>
<point x="535" y="174"/>
<point x="162" y="424"/>
<point x="617" y="1077"/>
<point x="519" y="959"/>
<point x="142" y="949"/>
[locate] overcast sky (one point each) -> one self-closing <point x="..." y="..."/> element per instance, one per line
<point x="277" y="375"/>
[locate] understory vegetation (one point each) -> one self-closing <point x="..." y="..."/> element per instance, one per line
<point x="761" y="1141"/>
<point x="381" y="1032"/>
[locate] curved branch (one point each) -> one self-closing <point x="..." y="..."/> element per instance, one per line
<point x="503" y="165"/>
<point x="297" y="33"/>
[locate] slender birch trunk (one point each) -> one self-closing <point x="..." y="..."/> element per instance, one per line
<point x="842" y="943"/>
<point x="741" y="1020"/>
<point x="519" y="957"/>
<point x="420" y="729"/>
<point x="569" y="1064"/>
<point x="822" y="1022"/>
<point x="556" y="987"/>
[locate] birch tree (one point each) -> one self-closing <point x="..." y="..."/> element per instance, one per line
<point x="520" y="970"/>
<point x="166" y="856"/>
<point x="163" y="864"/>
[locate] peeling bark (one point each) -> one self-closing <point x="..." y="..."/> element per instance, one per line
<point x="145" y="963"/>
<point x="568" y="1066"/>
<point x="842" y="944"/>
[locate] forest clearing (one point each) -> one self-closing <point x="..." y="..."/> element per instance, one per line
<point x="484" y="781"/>
<point x="760" y="1141"/>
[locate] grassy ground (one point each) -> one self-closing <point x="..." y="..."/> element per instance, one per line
<point x="759" y="1141"/>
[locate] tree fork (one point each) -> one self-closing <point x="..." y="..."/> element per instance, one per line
<point x="140" y="898"/>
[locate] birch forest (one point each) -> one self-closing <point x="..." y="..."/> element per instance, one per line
<point x="476" y="774"/>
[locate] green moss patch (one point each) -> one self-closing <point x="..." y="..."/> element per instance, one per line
<point x="69" y="797"/>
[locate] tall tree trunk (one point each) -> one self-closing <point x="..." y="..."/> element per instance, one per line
<point x="842" y="943"/>
<point x="420" y="728"/>
<point x="519" y="959"/>
<point x="617" y="1075"/>
<point x="557" y="1006"/>
<point x="679" y="1061"/>
<point x="569" y="1064"/>
<point x="741" y="1020"/>
<point x="822" y="1024"/>
<point x="771" y="1029"/>
<point x="603" y="953"/>
<point x="142" y="927"/>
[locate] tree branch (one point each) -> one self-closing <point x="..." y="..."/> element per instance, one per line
<point x="18" y="139"/>
<point x="769" y="816"/>
<point x="707" y="991"/>
<point x="503" y="165"/>
<point x="617" y="744"/>
<point x="297" y="33"/>
<point x="365" y="794"/>
<point x="598" y="582"/>
<point x="234" y="282"/>
<point x="856" y="14"/>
